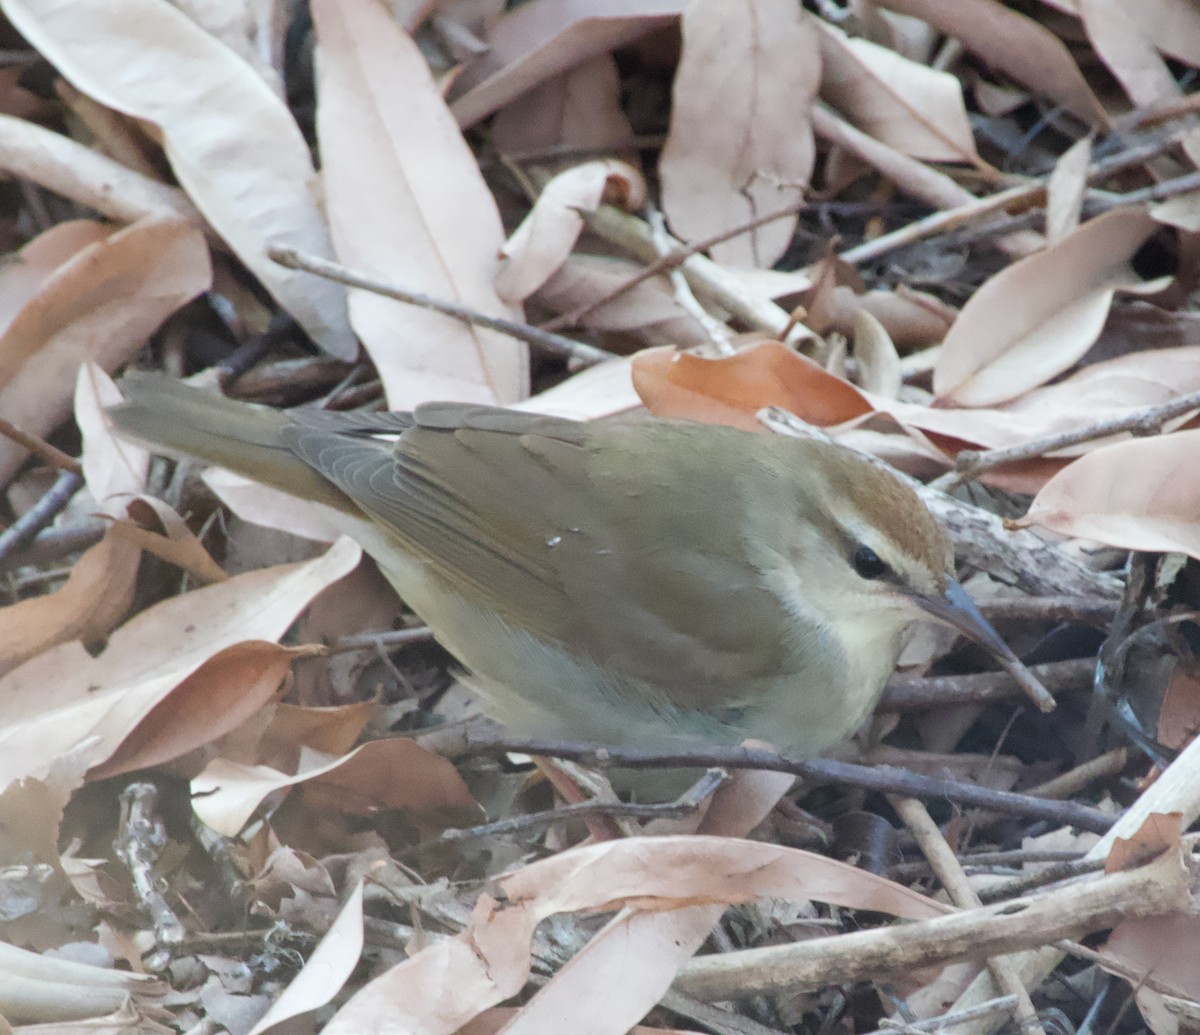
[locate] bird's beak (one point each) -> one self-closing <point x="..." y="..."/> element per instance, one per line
<point x="956" y="608"/>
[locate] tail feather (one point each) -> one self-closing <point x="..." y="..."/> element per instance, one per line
<point x="185" y="421"/>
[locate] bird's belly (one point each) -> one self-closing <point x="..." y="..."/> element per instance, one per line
<point x="540" y="689"/>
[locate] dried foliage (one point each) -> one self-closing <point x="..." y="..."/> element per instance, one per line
<point x="241" y="787"/>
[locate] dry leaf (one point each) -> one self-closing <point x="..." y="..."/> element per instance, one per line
<point x="599" y="391"/>
<point x="1115" y="33"/>
<point x="325" y="970"/>
<point x="878" y="362"/>
<point x="909" y="106"/>
<point x="541" y="38"/>
<point x="99" y="590"/>
<point x="1139" y="495"/>
<point x="98" y="305"/>
<point x="1014" y="43"/>
<point x="1065" y="190"/>
<point x="581" y="108"/>
<point x="407" y="203"/>
<point x="541" y="244"/>
<point x="66" y="712"/>
<point x="740" y="143"/>
<point x="441" y="987"/>
<point x="731" y="390"/>
<point x="232" y="143"/>
<point x="396" y="773"/>
<point x="649" y="311"/>
<point x="1035" y="318"/>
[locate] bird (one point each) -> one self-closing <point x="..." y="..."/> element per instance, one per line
<point x="646" y="583"/>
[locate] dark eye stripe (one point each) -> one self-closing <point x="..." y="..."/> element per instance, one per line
<point x="867" y="563"/>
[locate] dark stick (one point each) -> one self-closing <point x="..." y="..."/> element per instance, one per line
<point x="22" y="531"/>
<point x="888" y="779"/>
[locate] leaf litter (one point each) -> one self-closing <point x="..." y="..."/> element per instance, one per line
<point x="836" y="170"/>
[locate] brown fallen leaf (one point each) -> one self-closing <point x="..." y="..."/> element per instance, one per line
<point x="1035" y="318"/>
<point x="86" y="297"/>
<point x="231" y="142"/>
<point x="910" y="106"/>
<point x="1139" y="495"/>
<point x="1115" y="33"/>
<point x="407" y="202"/>
<point x="99" y="591"/>
<point x="541" y="38"/>
<point x="65" y="712"/>
<point x="578" y="109"/>
<point x="541" y="244"/>
<point x="490" y="960"/>
<point x="1017" y="45"/>
<point x="731" y="390"/>
<point x="396" y="773"/>
<point x="756" y="67"/>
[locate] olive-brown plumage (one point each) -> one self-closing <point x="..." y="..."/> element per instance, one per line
<point x="646" y="582"/>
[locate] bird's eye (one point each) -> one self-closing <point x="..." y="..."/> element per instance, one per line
<point x="868" y="564"/>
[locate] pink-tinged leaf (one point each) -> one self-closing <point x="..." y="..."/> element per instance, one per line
<point x="541" y="38"/>
<point x="909" y="106"/>
<point x="1016" y="45"/>
<point x="1036" y="318"/>
<point x="441" y="987"/>
<point x="231" y="142"/>
<point x="65" y="712"/>
<point x="740" y="143"/>
<point x="407" y="203"/>
<point x="541" y="244"/>
<point x="1139" y="495"/>
<point x="99" y="305"/>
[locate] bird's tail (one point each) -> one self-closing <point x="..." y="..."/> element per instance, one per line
<point x="250" y="440"/>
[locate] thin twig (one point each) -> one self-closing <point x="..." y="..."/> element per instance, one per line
<point x="916" y="693"/>
<point x="22" y="531"/>
<point x="718" y="333"/>
<point x="941" y="858"/>
<point x="1023" y="194"/>
<point x="669" y="260"/>
<point x="972" y="462"/>
<point x="382" y="640"/>
<point x="685" y="805"/>
<point x="1001" y="1004"/>
<point x="40" y="448"/>
<point x="822" y="770"/>
<point x="555" y="344"/>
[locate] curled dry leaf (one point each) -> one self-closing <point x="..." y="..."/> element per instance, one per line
<point x="878" y="362"/>
<point x="407" y="202"/>
<point x="1139" y="495"/>
<point x="539" y="39"/>
<point x="396" y="773"/>
<point x="1037" y="317"/>
<point x="912" y="107"/>
<point x="1016" y="45"/>
<point x="84" y="297"/>
<point x="65" y="712"/>
<point x="441" y="987"/>
<point x="541" y="244"/>
<point x="740" y="142"/>
<point x="231" y="142"/>
<point x="731" y="390"/>
<point x="99" y="591"/>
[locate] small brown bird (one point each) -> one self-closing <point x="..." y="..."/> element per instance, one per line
<point x="648" y="583"/>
